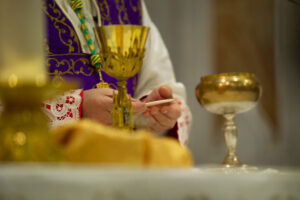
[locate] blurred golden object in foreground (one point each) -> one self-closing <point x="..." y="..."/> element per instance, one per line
<point x="24" y="134"/>
<point x="90" y="142"/>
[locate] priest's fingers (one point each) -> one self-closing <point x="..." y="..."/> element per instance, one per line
<point x="153" y="125"/>
<point x="106" y="91"/>
<point x="138" y="107"/>
<point x="97" y="104"/>
<point x="162" y="92"/>
<point x="172" y="111"/>
<point x="163" y="120"/>
<point x="100" y="110"/>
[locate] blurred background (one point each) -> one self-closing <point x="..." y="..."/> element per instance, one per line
<point x="259" y="36"/>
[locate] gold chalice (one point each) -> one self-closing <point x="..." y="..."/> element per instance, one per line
<point x="228" y="94"/>
<point x="122" y="52"/>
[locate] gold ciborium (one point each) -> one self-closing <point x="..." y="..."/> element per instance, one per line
<point x="228" y="94"/>
<point x="122" y="52"/>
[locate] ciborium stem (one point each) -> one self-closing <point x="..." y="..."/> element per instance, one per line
<point x="231" y="134"/>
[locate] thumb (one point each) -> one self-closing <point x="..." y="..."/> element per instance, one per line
<point x="165" y="92"/>
<point x="162" y="92"/>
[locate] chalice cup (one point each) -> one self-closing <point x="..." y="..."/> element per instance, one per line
<point x="228" y="94"/>
<point x="122" y="50"/>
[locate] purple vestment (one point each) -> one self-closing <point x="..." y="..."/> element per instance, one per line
<point x="65" y="58"/>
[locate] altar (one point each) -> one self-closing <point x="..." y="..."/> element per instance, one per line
<point x="77" y="182"/>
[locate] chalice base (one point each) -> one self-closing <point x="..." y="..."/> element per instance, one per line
<point x="232" y="161"/>
<point x="230" y="169"/>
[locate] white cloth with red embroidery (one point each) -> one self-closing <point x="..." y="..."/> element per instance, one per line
<point x="157" y="70"/>
<point x="64" y="108"/>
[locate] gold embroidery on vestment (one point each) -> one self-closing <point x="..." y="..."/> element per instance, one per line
<point x="122" y="12"/>
<point x="62" y="27"/>
<point x="137" y="8"/>
<point x="70" y="65"/>
<point x="105" y="13"/>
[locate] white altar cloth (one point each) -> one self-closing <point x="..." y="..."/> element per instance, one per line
<point x="69" y="182"/>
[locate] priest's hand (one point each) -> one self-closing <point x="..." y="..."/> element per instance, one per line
<point x="161" y="117"/>
<point x="97" y="105"/>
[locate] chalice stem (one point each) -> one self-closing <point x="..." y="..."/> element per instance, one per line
<point x="231" y="141"/>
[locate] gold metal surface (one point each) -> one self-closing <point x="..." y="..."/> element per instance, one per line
<point x="240" y="90"/>
<point x="228" y="94"/>
<point x="122" y="49"/>
<point x="24" y="132"/>
<point x="122" y="52"/>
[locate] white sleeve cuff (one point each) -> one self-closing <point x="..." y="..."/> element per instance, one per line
<point x="64" y="108"/>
